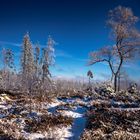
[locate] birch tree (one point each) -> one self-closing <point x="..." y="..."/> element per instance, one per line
<point x="126" y="39"/>
<point x="105" y="54"/>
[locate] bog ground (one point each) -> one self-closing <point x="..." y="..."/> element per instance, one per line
<point x="81" y="115"/>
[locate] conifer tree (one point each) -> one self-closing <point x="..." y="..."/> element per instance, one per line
<point x="8" y="58"/>
<point x="37" y="59"/>
<point x="48" y="58"/>
<point x="90" y="75"/>
<point x="27" y="60"/>
<point x="28" y="67"/>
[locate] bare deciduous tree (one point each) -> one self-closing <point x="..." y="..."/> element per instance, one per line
<point x="103" y="55"/>
<point x="126" y="39"/>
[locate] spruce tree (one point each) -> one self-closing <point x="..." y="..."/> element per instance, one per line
<point x="27" y="60"/>
<point x="48" y="58"/>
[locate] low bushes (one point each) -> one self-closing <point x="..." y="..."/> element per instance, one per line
<point x="47" y="121"/>
<point x="104" y="124"/>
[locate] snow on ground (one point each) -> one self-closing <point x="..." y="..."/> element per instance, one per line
<point x="62" y="133"/>
<point x="125" y="109"/>
<point x="4" y="105"/>
<point x="72" y="107"/>
<point x="54" y="103"/>
<point x="78" y="124"/>
<point x="33" y="136"/>
<point x="71" y="114"/>
<point x="72" y="132"/>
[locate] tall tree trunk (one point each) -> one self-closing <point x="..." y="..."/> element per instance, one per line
<point x="115" y="81"/>
<point x="112" y="76"/>
<point x="116" y="75"/>
<point x="30" y="100"/>
<point x="112" y="71"/>
<point x="89" y="81"/>
<point x="119" y="80"/>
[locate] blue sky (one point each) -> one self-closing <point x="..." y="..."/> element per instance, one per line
<point x="78" y="27"/>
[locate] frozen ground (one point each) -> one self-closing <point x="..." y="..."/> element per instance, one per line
<point x="78" y="114"/>
<point x="71" y="107"/>
<point x="79" y="124"/>
<point x="65" y="107"/>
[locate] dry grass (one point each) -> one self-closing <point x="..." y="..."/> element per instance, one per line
<point x="47" y="121"/>
<point x="108" y="124"/>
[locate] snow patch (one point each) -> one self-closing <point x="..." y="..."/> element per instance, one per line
<point x="71" y="114"/>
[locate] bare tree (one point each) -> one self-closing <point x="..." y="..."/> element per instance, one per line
<point x="105" y="54"/>
<point x="122" y="75"/>
<point x="126" y="39"/>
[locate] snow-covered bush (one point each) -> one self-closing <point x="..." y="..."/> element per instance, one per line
<point x="132" y="88"/>
<point x="104" y="89"/>
<point x="109" y="124"/>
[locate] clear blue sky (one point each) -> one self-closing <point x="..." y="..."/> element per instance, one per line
<point x="78" y="26"/>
